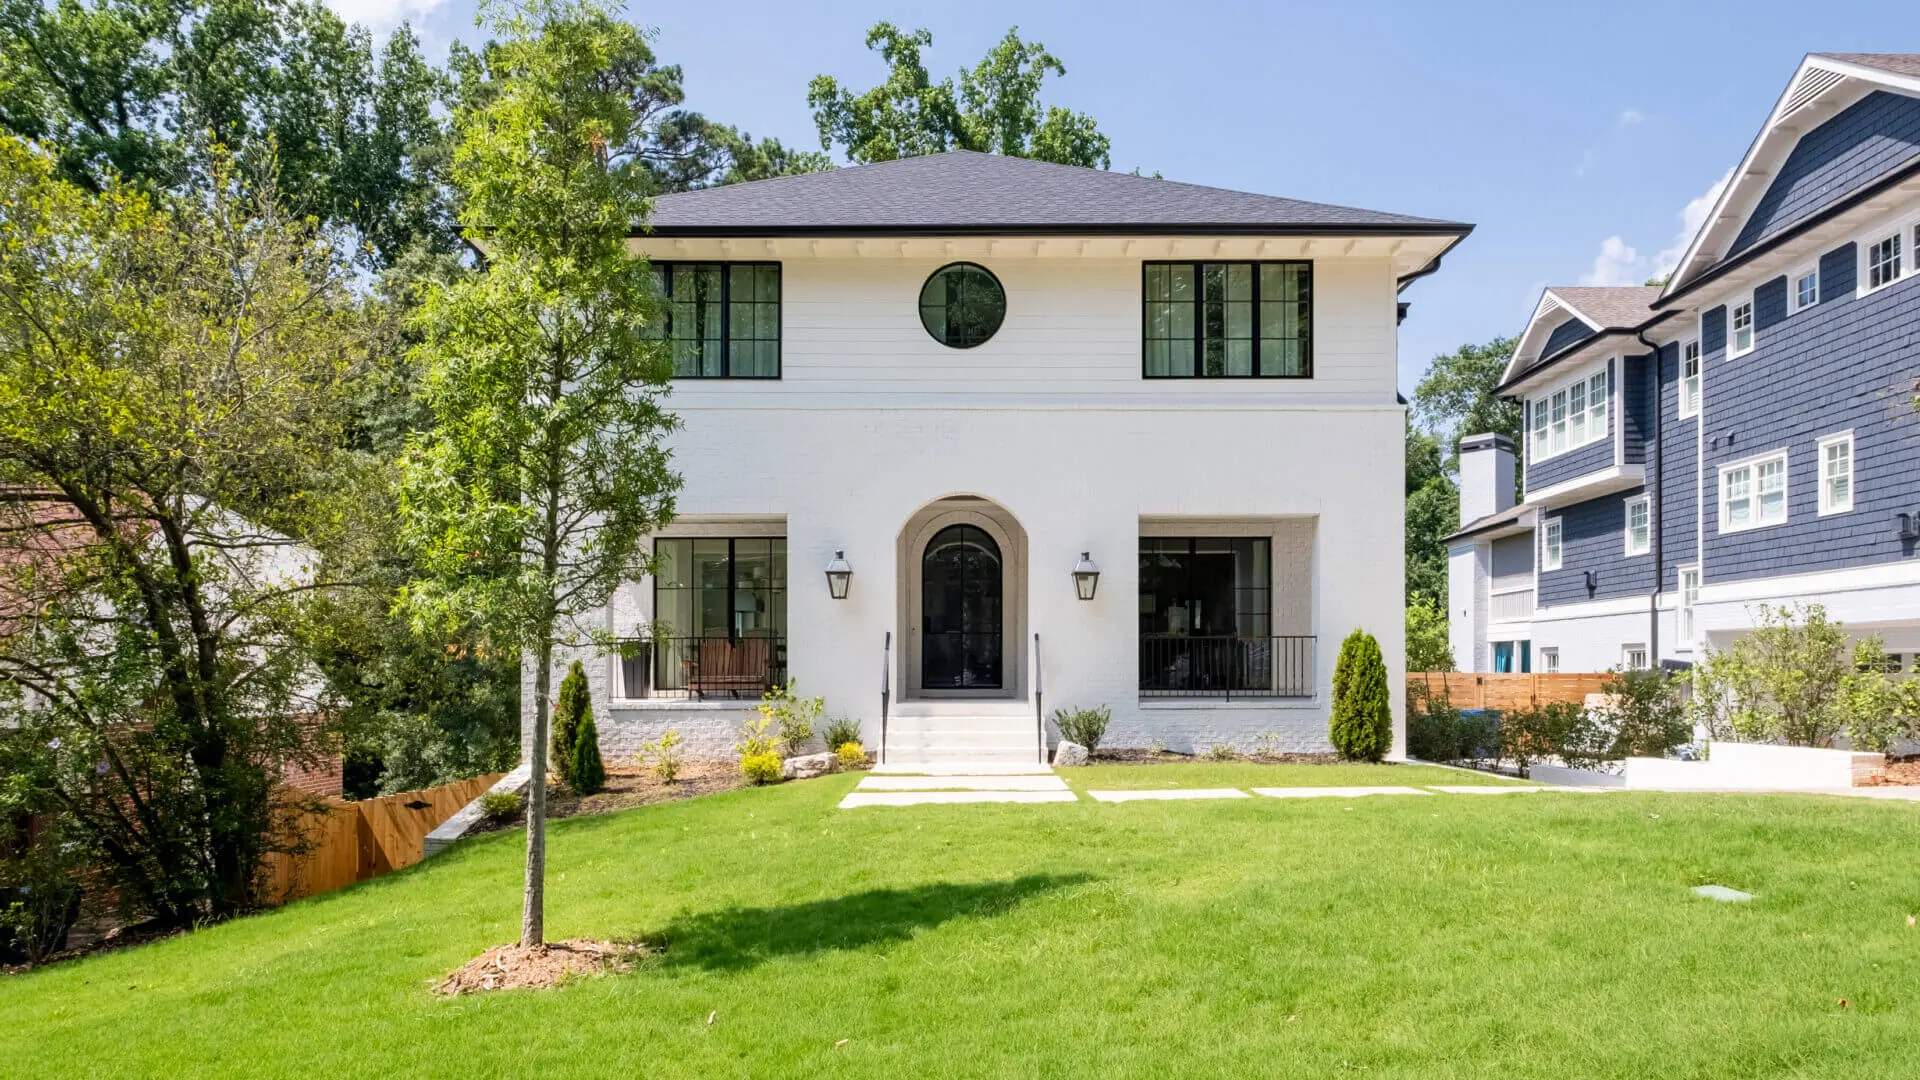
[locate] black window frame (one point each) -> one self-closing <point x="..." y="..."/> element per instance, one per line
<point x="1199" y="321"/>
<point x="726" y="314"/>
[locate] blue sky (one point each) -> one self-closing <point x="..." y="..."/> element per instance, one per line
<point x="1575" y="137"/>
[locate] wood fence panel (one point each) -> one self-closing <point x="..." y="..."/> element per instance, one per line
<point x="354" y="841"/>
<point x="1486" y="690"/>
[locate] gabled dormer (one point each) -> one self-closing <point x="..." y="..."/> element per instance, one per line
<point x="1580" y="373"/>
<point x="1844" y="139"/>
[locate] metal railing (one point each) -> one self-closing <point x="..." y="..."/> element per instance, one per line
<point x="1183" y="666"/>
<point x="703" y="668"/>
<point x="886" y="688"/>
<point x="1039" y="711"/>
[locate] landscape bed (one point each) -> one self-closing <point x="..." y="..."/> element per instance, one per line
<point x="1442" y="936"/>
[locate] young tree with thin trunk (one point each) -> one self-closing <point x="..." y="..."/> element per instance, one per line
<point x="529" y="498"/>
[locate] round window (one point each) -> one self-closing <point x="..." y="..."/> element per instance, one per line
<point x="962" y="305"/>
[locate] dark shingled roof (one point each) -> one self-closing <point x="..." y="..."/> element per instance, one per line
<point x="1893" y="63"/>
<point x="1614" y="307"/>
<point x="962" y="192"/>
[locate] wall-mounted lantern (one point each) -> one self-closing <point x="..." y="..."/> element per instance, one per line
<point x="1086" y="576"/>
<point x="839" y="575"/>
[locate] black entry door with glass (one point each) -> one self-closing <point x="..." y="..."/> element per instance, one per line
<point x="961" y="611"/>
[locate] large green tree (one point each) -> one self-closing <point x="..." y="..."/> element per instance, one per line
<point x="174" y="375"/>
<point x="545" y="467"/>
<point x="1455" y="398"/>
<point x="993" y="107"/>
<point x="128" y="89"/>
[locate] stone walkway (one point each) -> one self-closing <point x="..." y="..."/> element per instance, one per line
<point x="917" y="785"/>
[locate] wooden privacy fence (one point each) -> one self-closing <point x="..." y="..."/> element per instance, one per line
<point x="354" y="841"/>
<point x="1481" y="690"/>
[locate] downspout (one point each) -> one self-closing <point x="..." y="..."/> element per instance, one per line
<point x="1656" y="504"/>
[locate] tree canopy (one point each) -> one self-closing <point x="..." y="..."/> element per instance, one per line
<point x="993" y="107"/>
<point x="544" y="468"/>
<point x="1455" y="398"/>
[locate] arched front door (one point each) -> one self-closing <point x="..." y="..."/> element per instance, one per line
<point x="961" y="611"/>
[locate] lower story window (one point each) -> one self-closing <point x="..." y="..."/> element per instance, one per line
<point x="1633" y="657"/>
<point x="1550" y="660"/>
<point x="719" y="619"/>
<point x="1689" y="597"/>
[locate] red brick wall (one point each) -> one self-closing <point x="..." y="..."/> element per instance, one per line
<point x="321" y="779"/>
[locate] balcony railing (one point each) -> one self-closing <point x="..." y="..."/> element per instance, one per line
<point x="702" y="668"/>
<point x="1512" y="604"/>
<point x="1182" y="666"/>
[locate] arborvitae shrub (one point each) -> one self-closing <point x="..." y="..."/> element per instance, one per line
<point x="574" y="706"/>
<point x="1362" y="727"/>
<point x="589" y="774"/>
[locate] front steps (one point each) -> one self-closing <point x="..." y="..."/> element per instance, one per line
<point x="973" y="732"/>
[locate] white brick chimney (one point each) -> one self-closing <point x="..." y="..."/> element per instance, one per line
<point x="1486" y="476"/>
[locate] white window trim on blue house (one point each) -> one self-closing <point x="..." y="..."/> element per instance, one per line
<point x="1904" y="230"/>
<point x="1542" y="443"/>
<point x="1798" y="299"/>
<point x="1639" y="538"/>
<point x="1828" y="503"/>
<point x="1552" y="544"/>
<point x="1690" y="381"/>
<point x="1753" y="495"/>
<point x="1736" y="304"/>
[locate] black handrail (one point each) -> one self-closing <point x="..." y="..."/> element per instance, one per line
<point x="886" y="675"/>
<point x="1226" y="666"/>
<point x="1039" y="714"/>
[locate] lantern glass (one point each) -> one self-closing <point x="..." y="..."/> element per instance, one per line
<point x="839" y="576"/>
<point x="1086" y="576"/>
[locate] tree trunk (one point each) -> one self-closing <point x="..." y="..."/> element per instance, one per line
<point x="533" y="912"/>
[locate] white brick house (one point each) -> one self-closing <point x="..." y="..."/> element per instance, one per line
<point x="964" y="371"/>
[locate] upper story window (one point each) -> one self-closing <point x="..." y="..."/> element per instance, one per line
<point x="1888" y="253"/>
<point x="1550" y="544"/>
<point x="1836" y="473"/>
<point x="962" y="305"/>
<point x="1569" y="417"/>
<point x="1753" y="493"/>
<point x="1740" y="327"/>
<point x="723" y="319"/>
<point x="1228" y="320"/>
<point x="1690" y="378"/>
<point x="1803" y="289"/>
<point x="1639" y="525"/>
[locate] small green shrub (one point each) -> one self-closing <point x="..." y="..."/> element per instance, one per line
<point x="1084" y="726"/>
<point x="501" y="806"/>
<point x="663" y="755"/>
<point x="1437" y="731"/>
<point x="757" y="737"/>
<point x="589" y="774"/>
<point x="1647" y="716"/>
<point x="574" y="705"/>
<point x="1557" y="729"/>
<point x="761" y="768"/>
<point x="1266" y="744"/>
<point x="851" y="754"/>
<point x="1362" y="725"/>
<point x="791" y="717"/>
<point x="1222" y="752"/>
<point x="838" y="731"/>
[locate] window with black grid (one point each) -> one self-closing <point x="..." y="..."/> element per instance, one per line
<point x="722" y="319"/>
<point x="1227" y="320"/>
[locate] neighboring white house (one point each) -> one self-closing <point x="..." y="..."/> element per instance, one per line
<point x="963" y="376"/>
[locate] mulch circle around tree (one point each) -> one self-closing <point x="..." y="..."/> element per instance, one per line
<point x="537" y="967"/>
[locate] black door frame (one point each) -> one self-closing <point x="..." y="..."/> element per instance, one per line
<point x="997" y="634"/>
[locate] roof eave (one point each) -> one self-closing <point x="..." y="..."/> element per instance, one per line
<point x="1791" y="233"/>
<point x="1607" y="334"/>
<point x="1458" y="230"/>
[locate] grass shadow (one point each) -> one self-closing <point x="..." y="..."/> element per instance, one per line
<point x="738" y="938"/>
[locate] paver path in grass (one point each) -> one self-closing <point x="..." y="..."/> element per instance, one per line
<point x="1169" y="793"/>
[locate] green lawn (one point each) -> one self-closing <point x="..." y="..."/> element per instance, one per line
<point x="1447" y="936"/>
<point x="1242" y="774"/>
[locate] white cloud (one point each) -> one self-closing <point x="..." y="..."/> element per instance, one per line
<point x="1620" y="263"/>
<point x="381" y="15"/>
<point x="1617" y="264"/>
<point x="1692" y="216"/>
<point x="1628" y="118"/>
